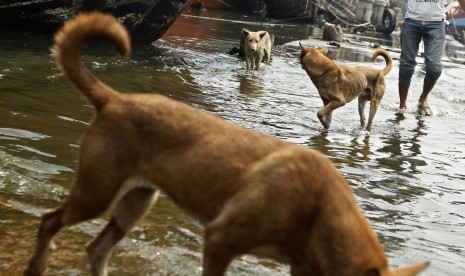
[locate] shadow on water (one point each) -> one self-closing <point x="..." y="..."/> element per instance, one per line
<point x="250" y="87"/>
<point x="405" y="174"/>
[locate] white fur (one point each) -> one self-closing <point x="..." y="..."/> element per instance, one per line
<point x="257" y="45"/>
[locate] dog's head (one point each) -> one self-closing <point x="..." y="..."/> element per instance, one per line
<point x="252" y="39"/>
<point x="311" y="52"/>
<point x="311" y="57"/>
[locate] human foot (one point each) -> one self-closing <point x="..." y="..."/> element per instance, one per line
<point x="424" y="109"/>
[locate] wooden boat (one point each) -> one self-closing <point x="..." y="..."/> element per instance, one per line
<point x="251" y="6"/>
<point x="289" y="9"/>
<point x="146" y="20"/>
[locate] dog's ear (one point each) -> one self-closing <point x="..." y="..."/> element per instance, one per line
<point x="324" y="51"/>
<point x="262" y="34"/>
<point x="245" y="32"/>
<point x="303" y="49"/>
<point x="303" y="52"/>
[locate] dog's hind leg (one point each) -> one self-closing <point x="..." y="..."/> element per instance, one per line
<point x="77" y="208"/>
<point x="80" y="206"/>
<point x="373" y="108"/>
<point x="377" y="95"/>
<point x="362" y="100"/>
<point x="127" y="212"/>
<point x="50" y="225"/>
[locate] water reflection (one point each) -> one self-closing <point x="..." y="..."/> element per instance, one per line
<point x="405" y="175"/>
<point x="403" y="149"/>
<point x="320" y="142"/>
<point x="250" y="86"/>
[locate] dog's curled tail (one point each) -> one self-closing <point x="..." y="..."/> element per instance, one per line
<point x="387" y="58"/>
<point x="67" y="52"/>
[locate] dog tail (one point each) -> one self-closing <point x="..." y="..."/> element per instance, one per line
<point x="387" y="58"/>
<point x="67" y="52"/>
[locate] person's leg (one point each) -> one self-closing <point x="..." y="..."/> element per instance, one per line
<point x="423" y="106"/>
<point x="434" y="38"/>
<point x="403" y="87"/>
<point x="410" y="38"/>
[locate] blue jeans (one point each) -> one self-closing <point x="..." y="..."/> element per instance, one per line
<point x="433" y="34"/>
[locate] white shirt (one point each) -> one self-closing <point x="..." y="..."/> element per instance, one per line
<point x="426" y="10"/>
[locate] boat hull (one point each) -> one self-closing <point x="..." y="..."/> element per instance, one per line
<point x="146" y="20"/>
<point x="216" y="4"/>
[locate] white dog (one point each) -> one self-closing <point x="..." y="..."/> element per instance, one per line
<point x="257" y="45"/>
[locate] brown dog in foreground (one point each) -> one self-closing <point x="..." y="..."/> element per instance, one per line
<point x="340" y="84"/>
<point x="254" y="193"/>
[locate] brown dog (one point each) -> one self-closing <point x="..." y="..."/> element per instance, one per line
<point x="340" y="84"/>
<point x="254" y="193"/>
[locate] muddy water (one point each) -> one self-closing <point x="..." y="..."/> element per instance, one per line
<point x="408" y="175"/>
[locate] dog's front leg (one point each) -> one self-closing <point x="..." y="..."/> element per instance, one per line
<point x="302" y="270"/>
<point x="321" y="116"/>
<point x="216" y="255"/>
<point x="325" y="114"/>
<point x="328" y="116"/>
<point x="247" y="65"/>
<point x="50" y="225"/>
<point x="238" y="229"/>
<point x="258" y="61"/>
<point x="215" y="263"/>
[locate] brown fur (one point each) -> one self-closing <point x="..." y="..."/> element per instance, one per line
<point x="254" y="193"/>
<point x="340" y="84"/>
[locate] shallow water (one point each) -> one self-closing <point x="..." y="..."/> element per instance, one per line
<point x="408" y="174"/>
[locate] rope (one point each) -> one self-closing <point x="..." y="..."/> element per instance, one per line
<point x="338" y="17"/>
<point x="345" y="21"/>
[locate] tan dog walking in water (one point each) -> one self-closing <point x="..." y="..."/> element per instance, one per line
<point x="257" y="46"/>
<point x="340" y="84"/>
<point x="253" y="193"/>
